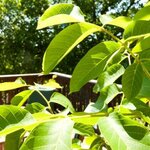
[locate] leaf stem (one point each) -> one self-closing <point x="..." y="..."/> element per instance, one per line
<point x="109" y="33"/>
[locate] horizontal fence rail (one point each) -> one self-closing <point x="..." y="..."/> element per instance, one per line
<point x="79" y="99"/>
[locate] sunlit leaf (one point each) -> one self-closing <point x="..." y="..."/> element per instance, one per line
<point x="64" y="42"/>
<point x="142" y="45"/>
<point x="62" y="100"/>
<point x="110" y="75"/>
<point x="13" y="118"/>
<point x="137" y="29"/>
<point x="123" y="133"/>
<point x="92" y="64"/>
<point x="54" y="134"/>
<point x="59" y="14"/>
<point x="120" y="21"/>
<point x="143" y="14"/>
<point x="132" y="80"/>
<point x="83" y="117"/>
<point x="6" y="86"/>
<point x="20" y="98"/>
<point x="105" y="19"/>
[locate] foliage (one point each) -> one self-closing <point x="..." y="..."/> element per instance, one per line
<point x="22" y="46"/>
<point x="123" y="126"/>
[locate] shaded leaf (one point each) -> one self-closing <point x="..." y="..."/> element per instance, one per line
<point x="64" y="42"/>
<point x="13" y="140"/>
<point x="54" y="134"/>
<point x="35" y="107"/>
<point x="93" y="63"/>
<point x="62" y="100"/>
<point x="132" y="80"/>
<point x="137" y="29"/>
<point x="123" y="133"/>
<point x="84" y="129"/>
<point x="20" y="98"/>
<point x="145" y="89"/>
<point x="59" y="14"/>
<point x="13" y="118"/>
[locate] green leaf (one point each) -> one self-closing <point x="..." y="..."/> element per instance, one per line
<point x="6" y="86"/>
<point x="132" y="80"/>
<point x="107" y="94"/>
<point x="59" y="14"/>
<point x="142" y="45"/>
<point x="143" y="14"/>
<point x="120" y="21"/>
<point x="84" y="129"/>
<point x="145" y="61"/>
<point x="13" y="140"/>
<point x="138" y="105"/>
<point x="64" y="42"/>
<point x="13" y="118"/>
<point x="122" y="133"/>
<point x="35" y="107"/>
<point x="145" y="89"/>
<point x="105" y="19"/>
<point x="137" y="29"/>
<point x="54" y="134"/>
<point x="20" y="98"/>
<point x="93" y="63"/>
<point x="110" y="75"/>
<point x="62" y="100"/>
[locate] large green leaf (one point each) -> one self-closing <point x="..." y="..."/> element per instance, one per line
<point x="13" y="118"/>
<point x="52" y="135"/>
<point x="137" y="29"/>
<point x="62" y="100"/>
<point x="64" y="42"/>
<point x="59" y="14"/>
<point x="110" y="75"/>
<point x="120" y="21"/>
<point x="92" y="64"/>
<point x="132" y="80"/>
<point x="142" y="45"/>
<point x="122" y="133"/>
<point x="20" y="98"/>
<point x="143" y="14"/>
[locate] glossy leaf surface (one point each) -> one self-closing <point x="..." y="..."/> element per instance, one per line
<point x="54" y="134"/>
<point x="92" y="64"/>
<point x="123" y="133"/>
<point x="132" y="80"/>
<point x="64" y="42"/>
<point x="59" y="14"/>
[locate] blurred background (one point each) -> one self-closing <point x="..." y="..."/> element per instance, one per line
<point x="22" y="46"/>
